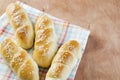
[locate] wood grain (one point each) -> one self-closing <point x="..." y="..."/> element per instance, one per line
<point x="101" y="60"/>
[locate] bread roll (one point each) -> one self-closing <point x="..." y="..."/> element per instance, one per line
<point x="64" y="61"/>
<point x="22" y="26"/>
<point x="19" y="61"/>
<point x="45" y="41"/>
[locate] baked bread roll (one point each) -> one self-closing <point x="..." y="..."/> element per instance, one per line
<point x="22" y="26"/>
<point x="64" y="61"/>
<point x="19" y="61"/>
<point x="45" y="41"/>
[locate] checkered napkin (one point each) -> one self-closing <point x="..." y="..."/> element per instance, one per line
<point x="64" y="30"/>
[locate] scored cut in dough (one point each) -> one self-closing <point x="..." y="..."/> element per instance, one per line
<point x="19" y="60"/>
<point x="45" y="41"/>
<point x="64" y="61"/>
<point x="21" y="24"/>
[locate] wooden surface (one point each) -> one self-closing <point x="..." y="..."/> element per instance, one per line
<point x="101" y="60"/>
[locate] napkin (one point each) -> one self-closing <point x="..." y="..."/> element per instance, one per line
<point x="65" y="31"/>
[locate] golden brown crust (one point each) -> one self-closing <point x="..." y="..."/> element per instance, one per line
<point x="64" y="61"/>
<point x="45" y="41"/>
<point x="18" y="19"/>
<point x="59" y="71"/>
<point x="22" y="25"/>
<point x="43" y="36"/>
<point x="19" y="61"/>
<point x="8" y="49"/>
<point x="12" y="8"/>
<point x="64" y="58"/>
<point x="71" y="46"/>
<point x="26" y="71"/>
<point x="43" y="22"/>
<point x="43" y="54"/>
<point x="22" y="34"/>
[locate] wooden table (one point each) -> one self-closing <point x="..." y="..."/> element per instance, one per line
<point x="101" y="60"/>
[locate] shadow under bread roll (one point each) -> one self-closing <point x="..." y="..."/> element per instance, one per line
<point x="45" y="41"/>
<point x="64" y="61"/>
<point x="23" y="27"/>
